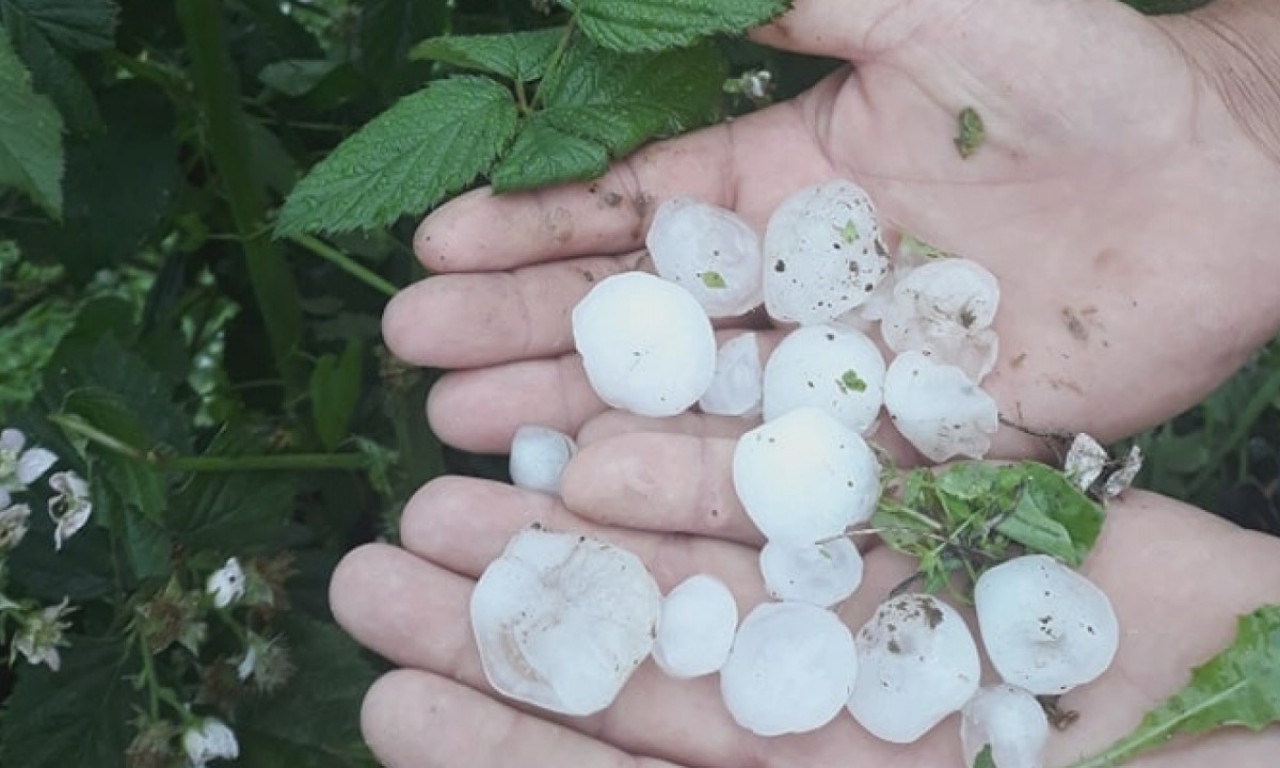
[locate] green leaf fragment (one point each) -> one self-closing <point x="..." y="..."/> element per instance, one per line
<point x="520" y="56"/>
<point x="31" y="154"/>
<point x="972" y="133"/>
<point x="712" y="279"/>
<point x="650" y="25"/>
<point x="984" y="759"/>
<point x="850" y="381"/>
<point x="430" y="144"/>
<point x="78" y="25"/>
<point x="1238" y="687"/>
<point x="849" y="232"/>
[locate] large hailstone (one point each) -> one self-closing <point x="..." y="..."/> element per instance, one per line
<point x="1046" y="628"/>
<point x="830" y="367"/>
<point x="735" y="388"/>
<point x="646" y="344"/>
<point x="710" y="251"/>
<point x="820" y="573"/>
<point x="562" y="621"/>
<point x="790" y="671"/>
<point x="695" y="627"/>
<point x="945" y="309"/>
<point x="938" y="409"/>
<point x="1011" y="720"/>
<point x="918" y="663"/>
<point x="539" y="456"/>
<point x="823" y="254"/>
<point x="805" y="477"/>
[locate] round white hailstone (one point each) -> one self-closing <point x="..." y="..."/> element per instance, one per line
<point x="805" y="477"/>
<point x="938" y="409"/>
<point x="1011" y="720"/>
<point x="945" y="308"/>
<point x="1046" y="628"/>
<point x="695" y="628"/>
<point x="539" y="456"/>
<point x="910" y="254"/>
<point x="918" y="663"/>
<point x="822" y="574"/>
<point x="646" y="344"/>
<point x="791" y="669"/>
<point x="710" y="251"/>
<point x="830" y="367"/>
<point x="562" y="621"/>
<point x="736" y="386"/>
<point x="823" y="254"/>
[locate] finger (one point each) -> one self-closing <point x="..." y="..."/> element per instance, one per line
<point x="659" y="482"/>
<point x="460" y="321"/>
<point x="413" y="719"/>
<point x="613" y="423"/>
<point x="479" y="410"/>
<point x="728" y="164"/>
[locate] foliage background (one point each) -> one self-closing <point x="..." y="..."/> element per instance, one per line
<point x="228" y="394"/>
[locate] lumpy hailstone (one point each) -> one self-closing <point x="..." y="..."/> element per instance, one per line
<point x="1046" y="628"/>
<point x="646" y="344"/>
<point x="736" y="386"/>
<point x="917" y="664"/>
<point x="830" y="367"/>
<point x="823" y="574"/>
<point x="790" y="671"/>
<point x="1011" y="720"/>
<point x="539" y="456"/>
<point x="710" y="251"/>
<point x="945" y="308"/>
<point x="561" y="621"/>
<point x="938" y="409"/>
<point x="695" y="627"/>
<point x="805" y="477"/>
<point x="823" y="254"/>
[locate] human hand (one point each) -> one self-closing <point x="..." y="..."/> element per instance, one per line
<point x="1126" y="211"/>
<point x="1176" y="576"/>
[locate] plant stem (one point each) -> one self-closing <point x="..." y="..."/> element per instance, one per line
<point x="149" y="677"/>
<point x="345" y="263"/>
<point x="228" y="141"/>
<point x="553" y="63"/>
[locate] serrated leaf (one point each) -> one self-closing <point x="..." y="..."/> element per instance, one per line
<point x="53" y="75"/>
<point x="650" y="25"/>
<point x="520" y="56"/>
<point x="335" y="390"/>
<point x="31" y="155"/>
<point x="431" y="143"/>
<point x="78" y="25"/>
<point x="544" y="154"/>
<point x="1238" y="687"/>
<point x="231" y="512"/>
<point x="74" y="718"/>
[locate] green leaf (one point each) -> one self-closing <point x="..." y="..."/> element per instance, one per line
<point x="1239" y="687"/>
<point x="231" y="512"/>
<point x="406" y="160"/>
<point x="78" y="25"/>
<point x="1051" y="515"/>
<point x="712" y="279"/>
<point x="388" y="29"/>
<point x="53" y="75"/>
<point x="74" y="718"/>
<point x="335" y="390"/>
<point x="984" y="759"/>
<point x="520" y="56"/>
<point x="971" y="132"/>
<point x="296" y="77"/>
<point x="650" y="25"/>
<point x="31" y="156"/>
<point x="544" y="154"/>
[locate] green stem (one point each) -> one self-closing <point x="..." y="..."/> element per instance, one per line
<point x="345" y="263"/>
<point x="228" y="141"/>
<point x="149" y="678"/>
<point x="553" y="63"/>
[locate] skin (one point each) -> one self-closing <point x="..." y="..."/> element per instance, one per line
<point x="1124" y="197"/>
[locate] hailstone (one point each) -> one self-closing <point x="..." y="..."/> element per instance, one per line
<point x="695" y="627"/>
<point x="918" y="663"/>
<point x="805" y="477"/>
<point x="646" y="344"/>
<point x="823" y="254"/>
<point x="561" y="620"/>
<point x="736" y="386"/>
<point x="830" y="367"/>
<point x="710" y="251"/>
<point x="938" y="409"/>
<point x="1046" y="628"/>
<point x="821" y="573"/>
<point x="1009" y="719"/>
<point x="539" y="456"/>
<point x="790" y="671"/>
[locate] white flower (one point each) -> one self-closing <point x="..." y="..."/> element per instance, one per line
<point x="13" y="525"/>
<point x="19" y="468"/>
<point x="226" y="584"/>
<point x="210" y="740"/>
<point x="70" y="507"/>
<point x="41" y="633"/>
<point x="250" y="661"/>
